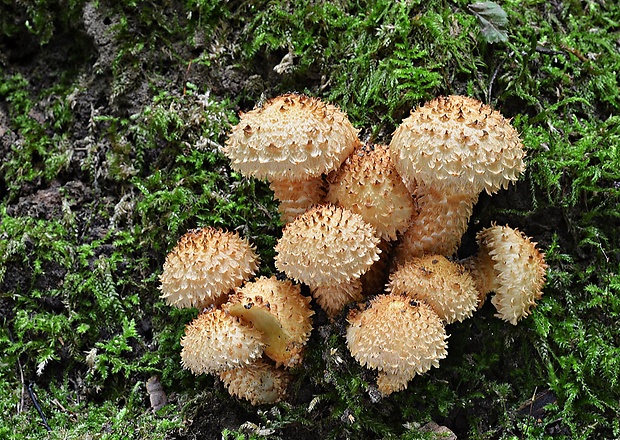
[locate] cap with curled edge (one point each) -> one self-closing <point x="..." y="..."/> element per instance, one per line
<point x="397" y="335"/>
<point x="367" y="183"/>
<point x="459" y="143"/>
<point x="443" y="284"/>
<point x="216" y="341"/>
<point x="291" y="137"/>
<point x="280" y="312"/>
<point x="518" y="271"/>
<point x="326" y="245"/>
<point x="204" y="265"/>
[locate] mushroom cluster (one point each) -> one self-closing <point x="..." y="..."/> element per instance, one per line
<point x="248" y="332"/>
<point x="375" y="227"/>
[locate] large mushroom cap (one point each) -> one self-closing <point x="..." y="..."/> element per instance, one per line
<point x="216" y="341"/>
<point x="280" y="312"/>
<point x="291" y="137"/>
<point x="326" y="245"/>
<point x="458" y="142"/>
<point x="260" y="382"/>
<point x="397" y="335"/>
<point x="519" y="271"/>
<point x="442" y="284"/>
<point x="367" y="183"/>
<point x="204" y="265"/>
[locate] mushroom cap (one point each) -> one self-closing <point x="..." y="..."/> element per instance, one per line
<point x="520" y="271"/>
<point x="367" y="183"/>
<point x="260" y="382"/>
<point x="204" y="265"/>
<point x="460" y="144"/>
<point x="290" y="137"/>
<point x="398" y="335"/>
<point x="326" y="245"/>
<point x="444" y="285"/>
<point x="280" y="312"/>
<point x="216" y="341"/>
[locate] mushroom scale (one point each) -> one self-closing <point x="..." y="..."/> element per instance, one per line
<point x="280" y="312"/>
<point x="442" y="284"/>
<point x="216" y="341"/>
<point x="291" y="137"/>
<point x="367" y="183"/>
<point x="326" y="245"/>
<point x="204" y="265"/>
<point x="397" y="335"/>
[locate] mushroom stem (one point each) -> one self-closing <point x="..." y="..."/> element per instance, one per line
<point x="440" y="224"/>
<point x="296" y="197"/>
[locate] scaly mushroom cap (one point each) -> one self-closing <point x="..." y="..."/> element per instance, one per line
<point x="280" y="312"/>
<point x="260" y="382"/>
<point x="333" y="297"/>
<point x="519" y="270"/>
<point x="290" y="137"/>
<point x="458" y="143"/>
<point x="326" y="245"/>
<point x="368" y="184"/>
<point x="216" y="341"/>
<point x="439" y="282"/>
<point x="204" y="265"/>
<point x="397" y="335"/>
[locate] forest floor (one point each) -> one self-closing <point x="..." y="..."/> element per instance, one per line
<point x="112" y="119"/>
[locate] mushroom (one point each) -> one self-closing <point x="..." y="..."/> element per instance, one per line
<point x="398" y="336"/>
<point x="447" y="152"/>
<point x="259" y="383"/>
<point x="204" y="266"/>
<point x="291" y="138"/>
<point x="216" y="341"/>
<point x="280" y="312"/>
<point x="443" y="284"/>
<point x="297" y="196"/>
<point x="509" y="264"/>
<point x="326" y="246"/>
<point x="367" y="184"/>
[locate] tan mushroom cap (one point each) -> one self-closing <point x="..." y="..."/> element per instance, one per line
<point x="216" y="341"/>
<point x="326" y="245"/>
<point x="367" y="184"/>
<point x="204" y="265"/>
<point x="259" y="383"/>
<point x="291" y="137"/>
<point x="459" y="143"/>
<point x="397" y="335"/>
<point x="519" y="271"/>
<point x="442" y="284"/>
<point x="280" y="312"/>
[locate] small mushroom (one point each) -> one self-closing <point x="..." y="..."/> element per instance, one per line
<point x="442" y="284"/>
<point x="292" y="138"/>
<point x="280" y="312"/>
<point x="447" y="152"/>
<point x="326" y="245"/>
<point x="398" y="336"/>
<point x="334" y="297"/>
<point x="259" y="383"/>
<point x="216" y="341"/>
<point x="367" y="184"/>
<point x="509" y="264"/>
<point x="204" y="266"/>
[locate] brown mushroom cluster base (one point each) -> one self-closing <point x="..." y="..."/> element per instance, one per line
<point x="377" y="222"/>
